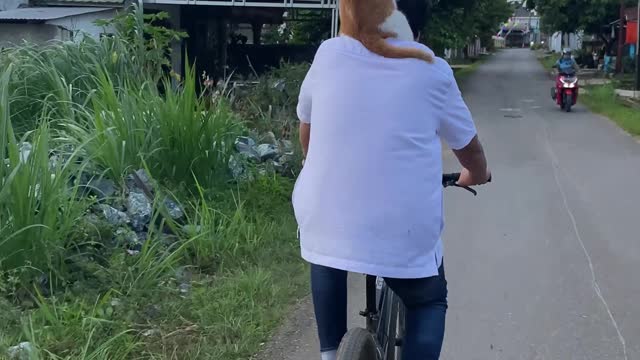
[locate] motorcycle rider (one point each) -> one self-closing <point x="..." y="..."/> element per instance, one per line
<point x="566" y="64"/>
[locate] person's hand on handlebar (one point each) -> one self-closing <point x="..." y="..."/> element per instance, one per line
<point x="474" y="163"/>
<point x="467" y="178"/>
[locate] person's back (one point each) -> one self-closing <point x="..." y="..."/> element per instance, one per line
<point x="376" y="156"/>
<point x="369" y="198"/>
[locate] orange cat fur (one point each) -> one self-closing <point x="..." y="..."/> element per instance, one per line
<point x="362" y="19"/>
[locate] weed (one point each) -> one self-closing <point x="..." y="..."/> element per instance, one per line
<point x="37" y="208"/>
<point x="603" y="100"/>
<point x="270" y="104"/>
<point x="94" y="107"/>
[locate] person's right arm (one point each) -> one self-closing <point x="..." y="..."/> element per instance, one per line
<point x="459" y="132"/>
<point x="474" y="164"/>
<point x="303" y="111"/>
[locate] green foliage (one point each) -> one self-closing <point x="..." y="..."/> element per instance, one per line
<point x="194" y="142"/>
<point x="548" y="61"/>
<point x="603" y="100"/>
<point x="313" y="30"/>
<point x="453" y="23"/>
<point x="270" y="104"/>
<point x="37" y="210"/>
<point x="148" y="40"/>
<point x="175" y="133"/>
<point x="573" y="15"/>
<point x="94" y="107"/>
<point x="67" y="73"/>
<point x="116" y="131"/>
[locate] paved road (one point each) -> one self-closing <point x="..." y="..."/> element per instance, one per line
<point x="545" y="262"/>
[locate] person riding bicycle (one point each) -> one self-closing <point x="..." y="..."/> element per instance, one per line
<point x="567" y="65"/>
<point x="369" y="198"/>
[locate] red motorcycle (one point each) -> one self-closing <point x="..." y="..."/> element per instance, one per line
<point x="566" y="91"/>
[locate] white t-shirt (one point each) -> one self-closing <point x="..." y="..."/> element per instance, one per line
<point x="369" y="198"/>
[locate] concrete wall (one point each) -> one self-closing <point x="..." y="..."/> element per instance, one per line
<point x="572" y="41"/>
<point x="11" y="34"/>
<point x="82" y="25"/>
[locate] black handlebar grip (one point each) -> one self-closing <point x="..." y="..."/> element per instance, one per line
<point x="450" y="179"/>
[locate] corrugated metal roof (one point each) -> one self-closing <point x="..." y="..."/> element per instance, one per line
<point x="80" y="2"/>
<point x="46" y="13"/>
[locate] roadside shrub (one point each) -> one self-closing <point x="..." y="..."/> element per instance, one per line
<point x="77" y="284"/>
<point x="270" y="105"/>
<point x="175" y="133"/>
<point x="38" y="208"/>
<point x="195" y="142"/>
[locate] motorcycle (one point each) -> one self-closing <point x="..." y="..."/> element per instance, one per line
<point x="565" y="92"/>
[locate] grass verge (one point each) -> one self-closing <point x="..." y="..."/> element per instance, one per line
<point x="464" y="73"/>
<point x="172" y="304"/>
<point x="604" y="101"/>
<point x="548" y="61"/>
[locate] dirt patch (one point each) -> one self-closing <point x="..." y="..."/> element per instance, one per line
<point x="287" y="339"/>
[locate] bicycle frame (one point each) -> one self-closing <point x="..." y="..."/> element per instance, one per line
<point x="384" y="317"/>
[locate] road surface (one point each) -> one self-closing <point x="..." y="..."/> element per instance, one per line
<point x="545" y="262"/>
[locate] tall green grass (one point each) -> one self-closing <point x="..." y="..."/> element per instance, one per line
<point x="65" y="72"/>
<point x="603" y="100"/>
<point x="270" y="104"/>
<point x="103" y="107"/>
<point x="180" y="138"/>
<point x="195" y="141"/>
<point x="38" y="209"/>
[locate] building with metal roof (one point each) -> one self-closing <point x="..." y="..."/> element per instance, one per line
<point x="42" y="24"/>
<point x="43" y="14"/>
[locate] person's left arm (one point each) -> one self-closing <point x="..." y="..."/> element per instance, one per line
<point x="575" y="65"/>
<point x="305" y="136"/>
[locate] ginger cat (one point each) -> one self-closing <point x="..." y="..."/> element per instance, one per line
<point x="373" y="21"/>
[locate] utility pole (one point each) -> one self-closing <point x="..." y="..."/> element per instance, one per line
<point x="620" y="39"/>
<point x="637" y="87"/>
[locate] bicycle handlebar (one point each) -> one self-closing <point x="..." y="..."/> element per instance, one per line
<point x="452" y="180"/>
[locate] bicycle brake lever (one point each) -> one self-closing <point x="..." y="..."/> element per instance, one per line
<point x="475" y="193"/>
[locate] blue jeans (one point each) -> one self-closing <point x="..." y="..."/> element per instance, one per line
<point x="425" y="300"/>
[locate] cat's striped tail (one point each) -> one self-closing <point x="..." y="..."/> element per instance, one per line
<point x="378" y="45"/>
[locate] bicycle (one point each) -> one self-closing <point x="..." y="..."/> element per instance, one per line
<point x="385" y="314"/>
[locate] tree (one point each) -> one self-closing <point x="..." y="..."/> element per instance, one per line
<point x="575" y="15"/>
<point x="452" y="23"/>
<point x="591" y="16"/>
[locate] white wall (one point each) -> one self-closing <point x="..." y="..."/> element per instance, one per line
<point x="84" y="24"/>
<point x="575" y="41"/>
<point x="11" y="4"/>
